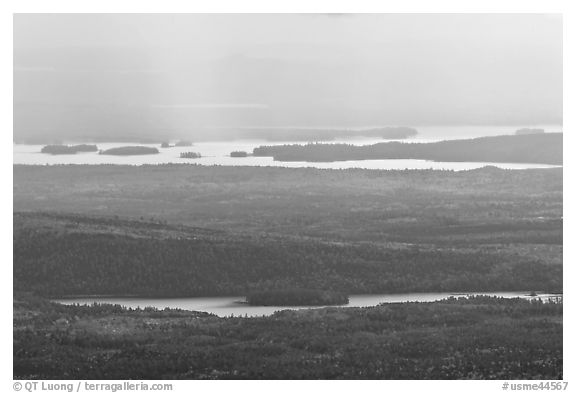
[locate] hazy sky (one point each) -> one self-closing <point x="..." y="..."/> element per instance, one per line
<point x="164" y="71"/>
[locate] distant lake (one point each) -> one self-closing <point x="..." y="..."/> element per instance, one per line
<point x="218" y="153"/>
<point x="234" y="306"/>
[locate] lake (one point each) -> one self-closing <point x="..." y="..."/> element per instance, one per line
<point x="218" y="153"/>
<point x="233" y="306"/>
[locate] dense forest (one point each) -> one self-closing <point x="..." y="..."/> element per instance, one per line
<point x="73" y="255"/>
<point x="475" y="338"/>
<point x="517" y="211"/>
<point x="66" y="149"/>
<point x="190" y="230"/>
<point x="525" y="148"/>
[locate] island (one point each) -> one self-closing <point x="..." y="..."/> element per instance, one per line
<point x="532" y="148"/>
<point x="238" y="154"/>
<point x="130" y="151"/>
<point x="190" y="154"/>
<point x="65" y="149"/>
<point x="183" y="143"/>
<point x="165" y="145"/>
<point x="296" y="297"/>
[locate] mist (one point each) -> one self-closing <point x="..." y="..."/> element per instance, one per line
<point x="97" y="76"/>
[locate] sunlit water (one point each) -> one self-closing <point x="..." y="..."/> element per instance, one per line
<point x="218" y="153"/>
<point x="235" y="306"/>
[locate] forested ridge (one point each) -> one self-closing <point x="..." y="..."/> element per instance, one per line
<point x="59" y="255"/>
<point x="192" y="230"/>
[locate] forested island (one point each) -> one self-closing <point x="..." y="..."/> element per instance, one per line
<point x="238" y="154"/>
<point x="130" y="151"/>
<point x="530" y="148"/>
<point x="190" y="154"/>
<point x="66" y="149"/>
<point x="296" y="297"/>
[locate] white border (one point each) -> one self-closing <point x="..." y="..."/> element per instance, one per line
<point x="247" y="6"/>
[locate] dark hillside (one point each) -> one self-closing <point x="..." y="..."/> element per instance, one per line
<point x="68" y="255"/>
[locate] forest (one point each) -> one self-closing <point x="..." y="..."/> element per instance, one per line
<point x="485" y="209"/>
<point x="524" y="148"/>
<point x="66" y="149"/>
<point x="464" y="338"/>
<point x="73" y="255"/>
<point x="191" y="230"/>
<point x="129" y="151"/>
<point x="194" y="230"/>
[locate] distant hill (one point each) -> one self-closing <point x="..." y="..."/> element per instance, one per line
<point x="319" y="134"/>
<point x="530" y="131"/>
<point x="211" y="134"/>
<point x="389" y="132"/>
<point x="183" y="144"/>
<point x="532" y="148"/>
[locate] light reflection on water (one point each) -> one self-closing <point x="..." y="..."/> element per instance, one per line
<point x="218" y="153"/>
<point x="234" y="306"/>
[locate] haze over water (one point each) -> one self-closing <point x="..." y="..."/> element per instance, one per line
<point x="97" y="75"/>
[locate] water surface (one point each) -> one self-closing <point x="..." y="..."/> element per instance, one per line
<point x="218" y="153"/>
<point x="235" y="306"/>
